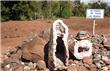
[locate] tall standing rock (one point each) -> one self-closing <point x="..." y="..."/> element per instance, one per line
<point x="58" y="47"/>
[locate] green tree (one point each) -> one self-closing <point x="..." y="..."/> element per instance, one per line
<point x="107" y="11"/>
<point x="79" y="9"/>
<point x="55" y="10"/>
<point x="6" y="9"/>
<point x="36" y="8"/>
<point x="97" y="5"/>
<point x="30" y="10"/>
<point x="65" y="9"/>
<point x="20" y="11"/>
<point x="100" y="5"/>
<point x="5" y="13"/>
<point x="46" y="9"/>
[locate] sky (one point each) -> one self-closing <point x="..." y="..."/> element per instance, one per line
<point x="95" y="0"/>
<point x="87" y="1"/>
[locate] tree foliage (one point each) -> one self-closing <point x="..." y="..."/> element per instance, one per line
<point x="30" y="10"/>
<point x="65" y="9"/>
<point x="79" y="9"/>
<point x="55" y="6"/>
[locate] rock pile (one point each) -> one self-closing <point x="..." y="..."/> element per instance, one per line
<point x="25" y="57"/>
<point x="99" y="60"/>
<point x="101" y="53"/>
<point x="25" y="66"/>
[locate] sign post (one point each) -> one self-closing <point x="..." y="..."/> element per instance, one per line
<point x="93" y="27"/>
<point x="94" y="14"/>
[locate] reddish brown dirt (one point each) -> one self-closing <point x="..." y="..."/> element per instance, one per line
<point x="14" y="32"/>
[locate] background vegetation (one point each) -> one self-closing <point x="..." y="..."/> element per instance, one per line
<point x="30" y="10"/>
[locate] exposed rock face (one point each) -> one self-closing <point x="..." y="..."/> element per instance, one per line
<point x="58" y="50"/>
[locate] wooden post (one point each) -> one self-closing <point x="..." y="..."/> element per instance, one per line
<point x="94" y="27"/>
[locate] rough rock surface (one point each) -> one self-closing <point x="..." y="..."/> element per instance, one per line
<point x="87" y="60"/>
<point x="41" y="65"/>
<point x="25" y="58"/>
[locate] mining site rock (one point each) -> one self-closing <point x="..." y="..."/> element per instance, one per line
<point x="70" y="62"/>
<point x="97" y="57"/>
<point x="41" y="65"/>
<point x="32" y="66"/>
<point x="107" y="62"/>
<point x="20" y="68"/>
<point x="86" y="65"/>
<point x="109" y="67"/>
<point x="12" y="57"/>
<point x="58" y="51"/>
<point x="107" y="43"/>
<point x="92" y="67"/>
<point x="82" y="35"/>
<point x="101" y="58"/>
<point x="87" y="60"/>
<point x="106" y="59"/>
<point x="15" y="66"/>
<point x="82" y="68"/>
<point x="44" y="70"/>
<point x="32" y="51"/>
<point x="95" y="49"/>
<point x="97" y="40"/>
<point x="78" y="62"/>
<point x="105" y="68"/>
<point x="17" y="55"/>
<point x="72" y="68"/>
<point x="7" y="68"/>
<point x="83" y="48"/>
<point x="26" y="68"/>
<point x="98" y="64"/>
<point x="9" y="61"/>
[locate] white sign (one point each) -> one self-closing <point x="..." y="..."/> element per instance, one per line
<point x="95" y="13"/>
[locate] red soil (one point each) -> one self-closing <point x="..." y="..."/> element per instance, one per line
<point x="14" y="32"/>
